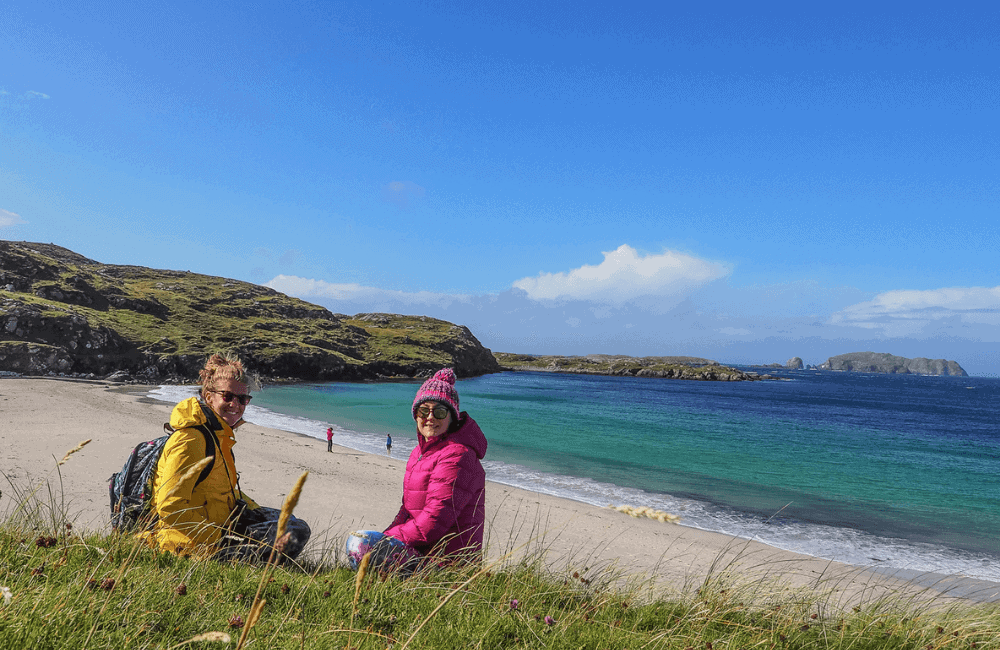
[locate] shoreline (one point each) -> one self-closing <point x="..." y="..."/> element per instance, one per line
<point x="349" y="490"/>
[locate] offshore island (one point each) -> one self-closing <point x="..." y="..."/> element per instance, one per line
<point x="878" y="363"/>
<point x="884" y="363"/>
<point x="625" y="366"/>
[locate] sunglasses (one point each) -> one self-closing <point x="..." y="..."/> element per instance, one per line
<point x="228" y="396"/>
<point x="440" y="412"/>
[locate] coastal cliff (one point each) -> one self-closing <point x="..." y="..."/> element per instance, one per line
<point x="625" y="366"/>
<point x="62" y="313"/>
<point x="881" y="362"/>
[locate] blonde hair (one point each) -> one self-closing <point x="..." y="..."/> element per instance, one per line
<point x="223" y="367"/>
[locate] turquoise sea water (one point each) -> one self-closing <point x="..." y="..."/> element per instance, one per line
<point x="875" y="470"/>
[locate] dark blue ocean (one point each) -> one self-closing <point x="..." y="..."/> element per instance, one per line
<point x="887" y="471"/>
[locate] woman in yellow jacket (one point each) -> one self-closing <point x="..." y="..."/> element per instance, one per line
<point x="209" y="514"/>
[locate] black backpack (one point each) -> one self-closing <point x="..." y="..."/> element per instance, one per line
<point x="131" y="489"/>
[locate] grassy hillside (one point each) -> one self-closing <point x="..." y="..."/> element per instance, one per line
<point x="62" y="312"/>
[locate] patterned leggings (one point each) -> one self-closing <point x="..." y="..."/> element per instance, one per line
<point x="254" y="537"/>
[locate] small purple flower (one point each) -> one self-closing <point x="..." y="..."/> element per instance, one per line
<point x="514" y="604"/>
<point x="549" y="620"/>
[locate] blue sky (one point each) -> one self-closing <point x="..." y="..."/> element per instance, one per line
<point x="745" y="182"/>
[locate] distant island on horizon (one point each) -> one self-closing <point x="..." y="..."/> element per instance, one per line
<point x="882" y="362"/>
<point x="877" y="363"/>
<point x="619" y="365"/>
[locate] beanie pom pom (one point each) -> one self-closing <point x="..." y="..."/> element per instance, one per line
<point x="446" y="375"/>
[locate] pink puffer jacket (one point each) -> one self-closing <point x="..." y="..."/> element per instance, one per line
<point x="444" y="492"/>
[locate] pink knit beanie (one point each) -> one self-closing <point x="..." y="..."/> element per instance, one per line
<point x="439" y="388"/>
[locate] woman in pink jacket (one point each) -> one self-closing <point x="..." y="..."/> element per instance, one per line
<point x="444" y="488"/>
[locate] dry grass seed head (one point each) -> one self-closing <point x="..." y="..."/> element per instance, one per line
<point x="74" y="450"/>
<point x="255" y="613"/>
<point x="362" y="572"/>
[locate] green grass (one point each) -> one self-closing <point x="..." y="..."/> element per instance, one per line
<point x="86" y="591"/>
<point x="408" y="338"/>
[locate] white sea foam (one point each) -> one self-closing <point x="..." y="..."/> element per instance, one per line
<point x="828" y="542"/>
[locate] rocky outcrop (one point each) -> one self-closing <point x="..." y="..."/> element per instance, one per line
<point x="62" y="313"/>
<point x="692" y="368"/>
<point x="469" y="354"/>
<point x="881" y="362"/>
<point x="795" y="363"/>
<point x="723" y="373"/>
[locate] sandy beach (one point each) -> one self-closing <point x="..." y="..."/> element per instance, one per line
<point x="41" y="419"/>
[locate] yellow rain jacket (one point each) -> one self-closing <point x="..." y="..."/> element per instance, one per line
<point x="192" y="517"/>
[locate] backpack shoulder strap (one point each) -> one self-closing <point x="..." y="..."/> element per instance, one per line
<point x="211" y="425"/>
<point x="211" y="443"/>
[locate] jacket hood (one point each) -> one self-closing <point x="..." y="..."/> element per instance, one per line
<point x="187" y="414"/>
<point x="468" y="434"/>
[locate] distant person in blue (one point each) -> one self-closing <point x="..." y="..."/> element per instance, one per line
<point x="388" y="445"/>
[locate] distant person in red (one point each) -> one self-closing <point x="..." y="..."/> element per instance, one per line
<point x="444" y="487"/>
<point x="329" y="439"/>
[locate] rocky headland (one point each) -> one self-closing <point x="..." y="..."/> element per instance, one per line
<point x="881" y="362"/>
<point x="625" y="366"/>
<point x="64" y="314"/>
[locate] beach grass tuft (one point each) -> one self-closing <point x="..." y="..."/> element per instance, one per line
<point x="86" y="590"/>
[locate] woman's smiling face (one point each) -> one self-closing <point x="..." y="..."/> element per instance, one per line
<point x="428" y="425"/>
<point x="231" y="411"/>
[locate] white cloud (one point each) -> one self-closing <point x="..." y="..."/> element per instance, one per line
<point x="376" y="299"/>
<point x="34" y="94"/>
<point x="908" y="312"/>
<point x="10" y="219"/>
<point x="934" y="303"/>
<point x="625" y="276"/>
